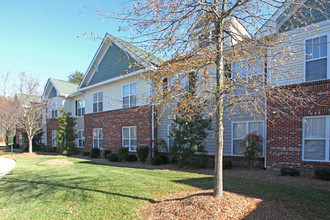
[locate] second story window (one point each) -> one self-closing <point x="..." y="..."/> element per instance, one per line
<point x="98" y="101"/>
<point x="80" y="107"/>
<point x="129" y="95"/>
<point x="316" y="58"/>
<point x="54" y="110"/>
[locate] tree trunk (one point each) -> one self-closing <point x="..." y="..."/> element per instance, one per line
<point x="30" y="144"/>
<point x="219" y="62"/>
<point x="7" y="139"/>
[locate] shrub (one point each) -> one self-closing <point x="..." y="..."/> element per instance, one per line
<point x="252" y="144"/>
<point x="287" y="171"/>
<point x="143" y="153"/>
<point x="112" y="157"/>
<point x="159" y="159"/>
<point x="322" y="173"/>
<point x="86" y="153"/>
<point x="122" y="153"/>
<point x="95" y="153"/>
<point x="227" y="164"/>
<point x="200" y="162"/>
<point x="65" y="152"/>
<point x="132" y="158"/>
<point x="106" y="152"/>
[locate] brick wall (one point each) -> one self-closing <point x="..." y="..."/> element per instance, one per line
<point x="52" y="124"/>
<point x="284" y="132"/>
<point x="112" y="123"/>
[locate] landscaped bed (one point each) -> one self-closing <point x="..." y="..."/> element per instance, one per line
<point x="95" y="191"/>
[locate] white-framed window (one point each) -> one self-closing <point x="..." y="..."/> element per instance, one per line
<point x="98" y="101"/>
<point x="54" y="110"/>
<point x="169" y="138"/>
<point x="316" y="138"/>
<point x="98" y="138"/>
<point x="129" y="137"/>
<point x="129" y="95"/>
<point x="80" y="138"/>
<point x="239" y="131"/>
<point x="248" y="75"/>
<point x="20" y="139"/>
<point x="316" y="61"/>
<point x="54" y="138"/>
<point x="80" y="107"/>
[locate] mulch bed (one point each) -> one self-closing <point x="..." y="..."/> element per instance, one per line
<point x="202" y="205"/>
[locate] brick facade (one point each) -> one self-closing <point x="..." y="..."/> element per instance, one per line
<point x="52" y="124"/>
<point x="285" y="134"/>
<point x="112" y="123"/>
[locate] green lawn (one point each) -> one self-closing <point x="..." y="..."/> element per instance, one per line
<point x="92" y="191"/>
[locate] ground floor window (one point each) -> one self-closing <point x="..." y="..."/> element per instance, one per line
<point x="98" y="138"/>
<point x="240" y="130"/>
<point x="20" y="139"/>
<point x="129" y="137"/>
<point x="80" y="139"/>
<point x="54" y="138"/>
<point x="316" y="138"/>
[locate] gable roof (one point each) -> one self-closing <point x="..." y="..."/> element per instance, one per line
<point x="299" y="16"/>
<point x="26" y="99"/>
<point x="115" y="59"/>
<point x="61" y="87"/>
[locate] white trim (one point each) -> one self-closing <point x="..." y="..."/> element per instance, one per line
<point x="113" y="79"/>
<point x="327" y="57"/>
<point x="247" y="130"/>
<point x="129" y="137"/>
<point x="129" y="91"/>
<point x="326" y="139"/>
<point x="47" y="84"/>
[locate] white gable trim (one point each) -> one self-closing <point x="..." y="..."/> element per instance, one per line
<point x="91" y="72"/>
<point x="44" y="94"/>
<point x="113" y="79"/>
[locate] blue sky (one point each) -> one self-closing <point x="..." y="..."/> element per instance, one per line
<point x="41" y="37"/>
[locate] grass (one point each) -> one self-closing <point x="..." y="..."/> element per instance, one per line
<point x="93" y="191"/>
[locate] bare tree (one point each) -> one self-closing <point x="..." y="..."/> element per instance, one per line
<point x="224" y="43"/>
<point x="31" y="120"/>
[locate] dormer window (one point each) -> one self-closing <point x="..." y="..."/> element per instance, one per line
<point x="316" y="62"/>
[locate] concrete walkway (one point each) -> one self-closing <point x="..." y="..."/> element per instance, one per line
<point x="6" y="165"/>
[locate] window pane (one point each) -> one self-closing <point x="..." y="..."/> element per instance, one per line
<point x="126" y="90"/>
<point x="100" y="106"/>
<point x="79" y="134"/>
<point x="133" y="144"/>
<point x="133" y="132"/>
<point x="100" y="133"/>
<point x="256" y="126"/>
<point x="126" y="102"/>
<point x="316" y="48"/>
<point x="95" y="107"/>
<point x="95" y="133"/>
<point x="133" y="101"/>
<point x="126" y="143"/>
<point x="94" y="97"/>
<point x="100" y="96"/>
<point x="79" y="112"/>
<point x="100" y="143"/>
<point x="239" y="130"/>
<point x="309" y="49"/>
<point x="315" y="127"/>
<point x="316" y="69"/>
<point x="237" y="148"/>
<point x="314" y="150"/>
<point x="125" y="132"/>
<point x="132" y="88"/>
<point x="83" y="103"/>
<point x="323" y="46"/>
<point x="83" y="111"/>
<point x="96" y="145"/>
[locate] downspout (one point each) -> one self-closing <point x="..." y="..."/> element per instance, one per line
<point x="265" y="128"/>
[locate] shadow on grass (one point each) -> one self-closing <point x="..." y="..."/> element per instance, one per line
<point x="49" y="187"/>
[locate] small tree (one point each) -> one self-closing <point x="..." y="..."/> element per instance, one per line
<point x="252" y="146"/>
<point x="189" y="135"/>
<point x="66" y="135"/>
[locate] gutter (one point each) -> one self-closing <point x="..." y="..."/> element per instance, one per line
<point x="152" y="129"/>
